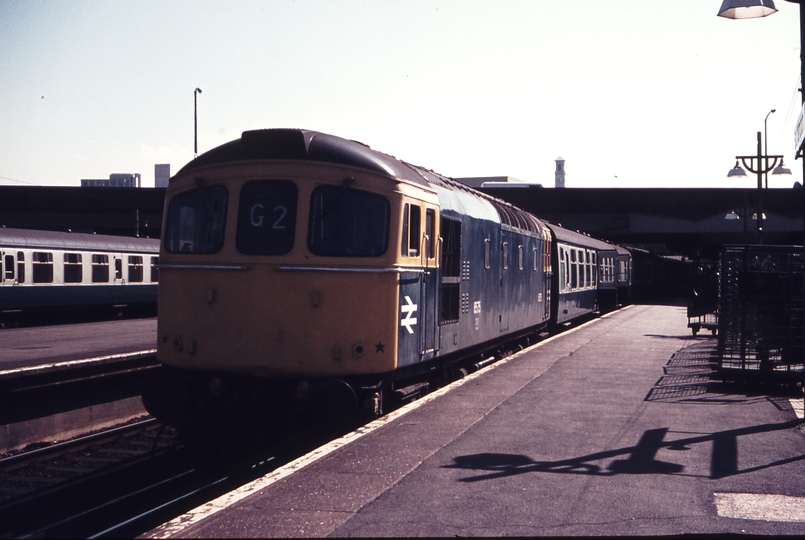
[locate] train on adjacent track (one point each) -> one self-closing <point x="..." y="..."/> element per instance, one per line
<point x="52" y="273"/>
<point x="300" y="271"/>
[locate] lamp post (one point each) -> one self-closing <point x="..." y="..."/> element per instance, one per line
<point x="766" y="139"/>
<point x="763" y="167"/>
<point x="196" y="92"/>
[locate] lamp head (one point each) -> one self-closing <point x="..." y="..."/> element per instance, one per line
<point x="736" y="171"/>
<point x="781" y="168"/>
<point x="746" y="9"/>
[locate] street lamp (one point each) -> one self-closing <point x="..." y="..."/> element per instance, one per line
<point x="196" y="92"/>
<point x="766" y="141"/>
<point x="762" y="167"/>
<point x="746" y="9"/>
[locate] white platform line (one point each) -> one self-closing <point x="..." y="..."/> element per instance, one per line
<point x="175" y="526"/>
<point x="759" y="506"/>
<point x="70" y="364"/>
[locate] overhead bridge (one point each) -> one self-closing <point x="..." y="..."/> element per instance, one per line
<point x="693" y="222"/>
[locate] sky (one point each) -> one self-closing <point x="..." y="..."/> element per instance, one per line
<point x="630" y="93"/>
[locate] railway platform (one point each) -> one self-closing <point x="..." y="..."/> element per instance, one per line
<point x="40" y="346"/>
<point x="616" y="427"/>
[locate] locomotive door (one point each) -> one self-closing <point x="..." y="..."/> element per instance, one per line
<point x="430" y="323"/>
<point x="417" y="285"/>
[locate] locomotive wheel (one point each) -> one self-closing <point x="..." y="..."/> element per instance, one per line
<point x="333" y="400"/>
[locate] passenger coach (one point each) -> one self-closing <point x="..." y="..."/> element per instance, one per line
<point x="46" y="271"/>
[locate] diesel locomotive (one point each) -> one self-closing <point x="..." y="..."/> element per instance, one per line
<point x="303" y="271"/>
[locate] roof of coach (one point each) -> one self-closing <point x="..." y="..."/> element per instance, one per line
<point x="622" y="251"/>
<point x="580" y="239"/>
<point x="24" y="238"/>
<point x="301" y="144"/>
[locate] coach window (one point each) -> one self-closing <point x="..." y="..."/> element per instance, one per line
<point x="135" y="268"/>
<point x="20" y="267"/>
<point x="9" y="274"/>
<point x="118" y="269"/>
<point x="154" y="270"/>
<point x="267" y="217"/>
<point x="196" y="221"/>
<point x="348" y="223"/>
<point x="100" y="268"/>
<point x="42" y="266"/>
<point x="72" y="268"/>
<point x="574" y="269"/>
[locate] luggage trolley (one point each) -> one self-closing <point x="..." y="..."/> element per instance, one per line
<point x="703" y="298"/>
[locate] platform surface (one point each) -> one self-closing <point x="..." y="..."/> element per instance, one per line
<point x="613" y="428"/>
<point x="42" y="345"/>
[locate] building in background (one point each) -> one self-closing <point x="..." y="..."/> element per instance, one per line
<point x="162" y="174"/>
<point x="115" y="180"/>
<point x="559" y="175"/>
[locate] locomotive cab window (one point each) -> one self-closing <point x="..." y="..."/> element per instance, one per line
<point x="267" y="217"/>
<point x="196" y="221"/>
<point x="412" y="214"/>
<point x="348" y="223"/>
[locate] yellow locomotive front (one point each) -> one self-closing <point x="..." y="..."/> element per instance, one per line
<point x="283" y="268"/>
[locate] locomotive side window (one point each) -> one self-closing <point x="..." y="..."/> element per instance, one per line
<point x="487" y="253"/>
<point x="450" y="294"/>
<point x="267" y="217"/>
<point x="520" y="258"/>
<point x="430" y="223"/>
<point x="100" y="268"/>
<point x="42" y="266"/>
<point x="505" y="250"/>
<point x="534" y="259"/>
<point x="196" y="221"/>
<point x="412" y="214"/>
<point x="20" y="267"/>
<point x="73" y="272"/>
<point x="135" y="269"/>
<point x="348" y="223"/>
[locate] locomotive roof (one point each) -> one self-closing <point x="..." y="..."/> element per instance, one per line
<point x="25" y="238"/>
<point x="301" y="144"/>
